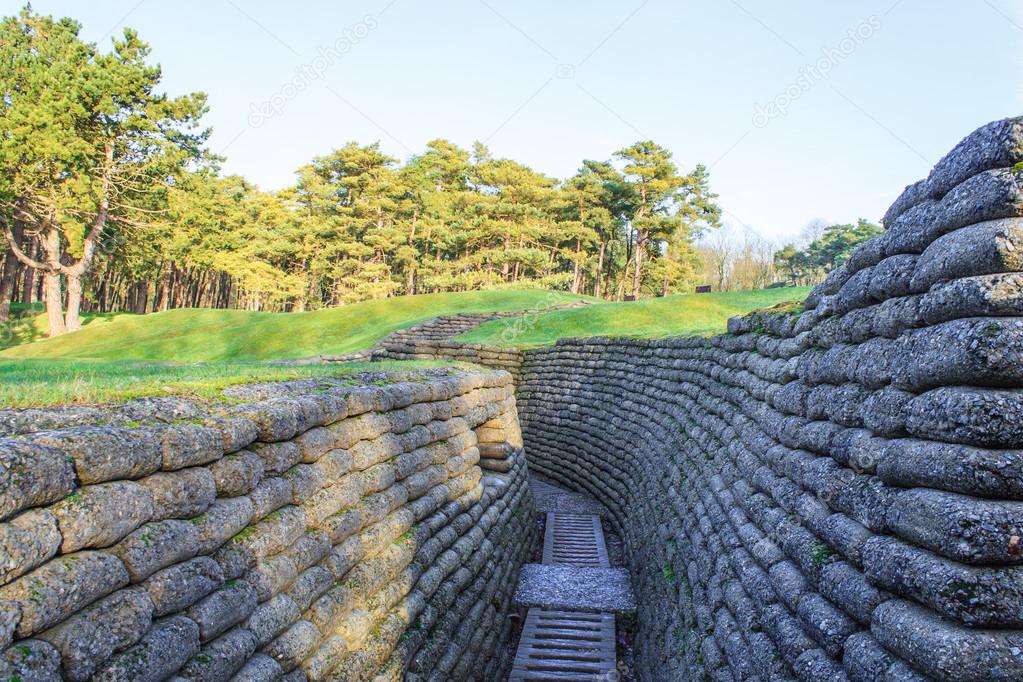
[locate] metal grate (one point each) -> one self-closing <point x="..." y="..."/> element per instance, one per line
<point x="574" y="540"/>
<point x="565" y="645"/>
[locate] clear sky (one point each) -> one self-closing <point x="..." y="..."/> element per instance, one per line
<point x="802" y="110"/>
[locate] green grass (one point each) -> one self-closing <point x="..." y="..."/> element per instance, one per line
<point x="683" y="315"/>
<point x="38" y="383"/>
<point x="194" y="335"/>
<point x="200" y="352"/>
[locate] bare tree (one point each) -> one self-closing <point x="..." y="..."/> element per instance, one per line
<point x="812" y="231"/>
<point x="754" y="262"/>
<point x="718" y="251"/>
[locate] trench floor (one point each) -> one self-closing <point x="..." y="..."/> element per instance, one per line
<point x="573" y="596"/>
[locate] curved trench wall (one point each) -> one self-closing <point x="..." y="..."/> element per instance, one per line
<point x="324" y="531"/>
<point x="494" y="357"/>
<point x="834" y="496"/>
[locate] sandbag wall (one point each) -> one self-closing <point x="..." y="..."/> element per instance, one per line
<point x="832" y="496"/>
<point x="347" y="533"/>
<point x="439" y="328"/>
<point x="449" y="326"/>
<point x="496" y="357"/>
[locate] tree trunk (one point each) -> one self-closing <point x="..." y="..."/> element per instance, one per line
<point x="116" y="294"/>
<point x="504" y="256"/>
<point x="180" y="276"/>
<point x="197" y="290"/>
<point x="640" y="241"/>
<point x="72" y="319"/>
<point x="667" y="264"/>
<point x="621" y="282"/>
<point x="30" y="284"/>
<point x="600" y="269"/>
<point x="140" y="298"/>
<point x="179" y="287"/>
<point x="575" y="275"/>
<point x="10" y="273"/>
<point x="49" y="246"/>
<point x="410" y="282"/>
<point x="204" y="291"/>
<point x="300" y="304"/>
<point x="54" y="317"/>
<point x="225" y="292"/>
<point x="165" y="283"/>
<point x="101" y="292"/>
<point x="74" y="272"/>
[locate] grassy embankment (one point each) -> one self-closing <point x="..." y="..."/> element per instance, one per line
<point x="199" y="335"/>
<point x="199" y="352"/>
<point x="683" y="315"/>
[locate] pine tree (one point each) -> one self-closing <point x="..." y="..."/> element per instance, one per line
<point x="653" y="181"/>
<point x="90" y="149"/>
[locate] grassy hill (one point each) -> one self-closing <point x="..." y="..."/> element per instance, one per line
<point x="199" y="335"/>
<point x="651" y="318"/>
<point x="198" y="352"/>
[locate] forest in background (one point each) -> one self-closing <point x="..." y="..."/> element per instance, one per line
<point x="110" y="201"/>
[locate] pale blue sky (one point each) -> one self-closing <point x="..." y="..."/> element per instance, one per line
<point x="552" y="83"/>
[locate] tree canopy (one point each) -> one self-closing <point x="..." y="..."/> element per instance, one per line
<point x="89" y="147"/>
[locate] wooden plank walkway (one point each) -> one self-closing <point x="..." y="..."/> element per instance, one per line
<point x="574" y="540"/>
<point x="564" y="645"/>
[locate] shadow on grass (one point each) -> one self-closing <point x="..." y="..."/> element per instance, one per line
<point x="27" y="324"/>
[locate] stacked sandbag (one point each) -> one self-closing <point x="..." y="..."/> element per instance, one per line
<point x="831" y="495"/>
<point x="317" y="530"/>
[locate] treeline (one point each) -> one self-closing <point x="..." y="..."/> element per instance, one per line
<point x="826" y="247"/>
<point x="110" y="201"/>
<point x="739" y="260"/>
<point x="359" y="225"/>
